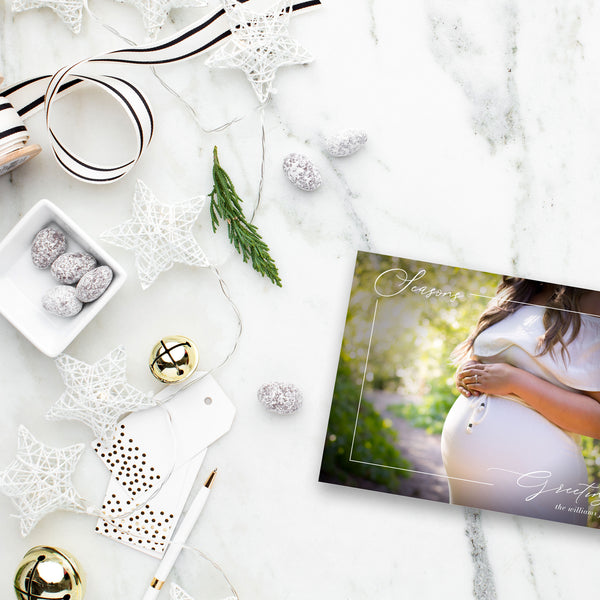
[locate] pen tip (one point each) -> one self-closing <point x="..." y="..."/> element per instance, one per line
<point x="210" y="479"/>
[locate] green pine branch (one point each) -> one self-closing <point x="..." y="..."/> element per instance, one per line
<point x="225" y="204"/>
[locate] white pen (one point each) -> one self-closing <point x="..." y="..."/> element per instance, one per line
<point x="179" y="539"/>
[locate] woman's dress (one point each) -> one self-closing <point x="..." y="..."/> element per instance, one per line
<point x="502" y="455"/>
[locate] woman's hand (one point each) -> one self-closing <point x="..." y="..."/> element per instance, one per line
<point x="459" y="378"/>
<point x="495" y="379"/>
<point x="571" y="410"/>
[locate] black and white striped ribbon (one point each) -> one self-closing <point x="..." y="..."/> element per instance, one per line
<point x="31" y="96"/>
<point x="13" y="133"/>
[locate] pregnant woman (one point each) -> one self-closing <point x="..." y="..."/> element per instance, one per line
<point x="529" y="378"/>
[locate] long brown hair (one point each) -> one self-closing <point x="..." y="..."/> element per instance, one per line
<point x="561" y="325"/>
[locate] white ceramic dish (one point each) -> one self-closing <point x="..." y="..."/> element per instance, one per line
<point x="22" y="285"/>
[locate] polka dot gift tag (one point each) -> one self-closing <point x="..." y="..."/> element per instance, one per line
<point x="154" y="458"/>
<point x="152" y="525"/>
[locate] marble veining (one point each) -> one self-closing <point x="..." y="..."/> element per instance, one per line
<point x="484" y="587"/>
<point x="484" y="64"/>
<point x="530" y="561"/>
<point x="483" y="148"/>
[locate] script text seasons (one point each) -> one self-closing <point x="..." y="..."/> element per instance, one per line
<point x="398" y="280"/>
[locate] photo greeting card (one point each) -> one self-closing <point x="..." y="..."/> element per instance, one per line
<point x="469" y="388"/>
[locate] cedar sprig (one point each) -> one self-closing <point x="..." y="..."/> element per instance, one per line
<point x="225" y="204"/>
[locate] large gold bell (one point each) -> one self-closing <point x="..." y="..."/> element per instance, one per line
<point x="173" y="359"/>
<point x="49" y="573"/>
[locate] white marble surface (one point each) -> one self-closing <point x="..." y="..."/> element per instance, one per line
<point x="483" y="152"/>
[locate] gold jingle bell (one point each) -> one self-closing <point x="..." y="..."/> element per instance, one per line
<point x="49" y="573"/>
<point x="173" y="359"/>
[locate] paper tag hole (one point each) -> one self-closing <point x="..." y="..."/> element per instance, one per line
<point x="208" y="400"/>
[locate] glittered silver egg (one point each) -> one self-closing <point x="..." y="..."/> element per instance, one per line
<point x="282" y="398"/>
<point x="47" y="246"/>
<point x="70" y="267"/>
<point x="94" y="283"/>
<point x="62" y="301"/>
<point x="302" y="172"/>
<point x="346" y="142"/>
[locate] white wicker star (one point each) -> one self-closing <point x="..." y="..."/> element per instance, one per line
<point x="159" y="234"/>
<point x="97" y="395"/>
<point x="155" y="12"/>
<point x="179" y="594"/>
<point x="39" y="480"/>
<point x="69" y="11"/>
<point x="259" y="45"/>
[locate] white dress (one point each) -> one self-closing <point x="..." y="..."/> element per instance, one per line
<point x="502" y="455"/>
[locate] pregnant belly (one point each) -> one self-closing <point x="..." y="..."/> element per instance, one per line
<point x="509" y="435"/>
<point x="510" y="453"/>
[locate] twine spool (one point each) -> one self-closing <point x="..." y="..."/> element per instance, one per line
<point x="14" y="136"/>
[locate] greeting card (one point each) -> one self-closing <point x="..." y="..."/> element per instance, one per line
<point x="469" y="388"/>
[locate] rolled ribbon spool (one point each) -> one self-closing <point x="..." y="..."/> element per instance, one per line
<point x="14" y="150"/>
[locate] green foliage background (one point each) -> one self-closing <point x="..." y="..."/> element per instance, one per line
<point x="412" y="340"/>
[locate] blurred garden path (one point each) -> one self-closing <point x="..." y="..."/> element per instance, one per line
<point x="417" y="446"/>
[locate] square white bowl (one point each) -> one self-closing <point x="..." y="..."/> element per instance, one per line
<point x="22" y="284"/>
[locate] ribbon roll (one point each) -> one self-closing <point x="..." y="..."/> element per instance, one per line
<point x="13" y="138"/>
<point x="41" y="93"/>
<point x="14" y="133"/>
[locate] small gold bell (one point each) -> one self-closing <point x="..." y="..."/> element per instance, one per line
<point x="173" y="359"/>
<point x="49" y="573"/>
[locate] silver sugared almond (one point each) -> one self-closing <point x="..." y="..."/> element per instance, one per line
<point x="62" y="301"/>
<point x="301" y="171"/>
<point x="346" y="142"/>
<point x="70" y="267"/>
<point x="47" y="246"/>
<point x="94" y="283"/>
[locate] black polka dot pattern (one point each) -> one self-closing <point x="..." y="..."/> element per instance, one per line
<point x="150" y="526"/>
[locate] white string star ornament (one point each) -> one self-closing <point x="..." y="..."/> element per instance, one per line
<point x="259" y="45"/>
<point x="39" y="480"/>
<point x="155" y="12"/>
<point x="179" y="594"/>
<point x="159" y="234"/>
<point x="69" y="11"/>
<point x="97" y="395"/>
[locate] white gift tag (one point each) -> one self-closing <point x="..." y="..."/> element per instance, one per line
<point x="152" y="525"/>
<point x="160" y="447"/>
